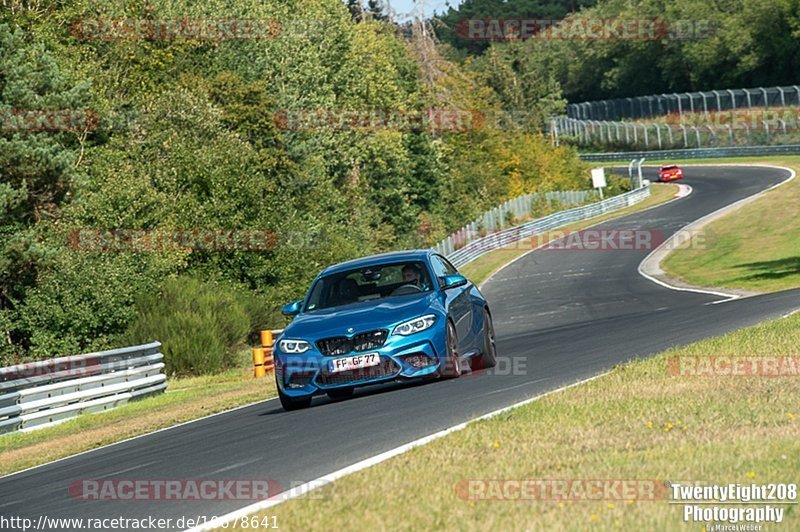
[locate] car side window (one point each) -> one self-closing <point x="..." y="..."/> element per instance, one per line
<point x="449" y="268"/>
<point x="441" y="268"/>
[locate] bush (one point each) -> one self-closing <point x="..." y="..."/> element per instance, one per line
<point x="617" y="185"/>
<point x="84" y="301"/>
<point x="201" y="325"/>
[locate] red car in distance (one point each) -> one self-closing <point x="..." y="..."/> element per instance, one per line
<point x="669" y="172"/>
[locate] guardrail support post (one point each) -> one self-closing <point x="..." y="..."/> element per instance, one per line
<point x="258" y="362"/>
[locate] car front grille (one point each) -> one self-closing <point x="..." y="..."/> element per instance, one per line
<point x="341" y="345"/>
<point x="386" y="368"/>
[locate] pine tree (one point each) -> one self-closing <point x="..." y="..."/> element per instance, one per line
<point x="36" y="167"/>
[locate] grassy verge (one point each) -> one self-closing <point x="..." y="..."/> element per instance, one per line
<point x="184" y="400"/>
<point x="756" y="247"/>
<point x="638" y="422"/>
<point x="482" y="268"/>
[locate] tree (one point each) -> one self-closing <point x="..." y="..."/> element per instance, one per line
<point x="356" y="8"/>
<point x="454" y="19"/>
<point x="528" y="90"/>
<point x="37" y="168"/>
<point x="376" y="10"/>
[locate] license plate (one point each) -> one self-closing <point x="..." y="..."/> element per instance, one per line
<point x="354" y="362"/>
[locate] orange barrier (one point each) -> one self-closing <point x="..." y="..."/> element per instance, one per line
<point x="263" y="360"/>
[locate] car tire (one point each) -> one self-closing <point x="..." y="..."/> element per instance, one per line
<point x="341" y="393"/>
<point x="453" y="365"/>
<point x="293" y="403"/>
<point x="489" y="356"/>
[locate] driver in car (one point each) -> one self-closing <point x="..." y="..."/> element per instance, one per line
<point x="412" y="275"/>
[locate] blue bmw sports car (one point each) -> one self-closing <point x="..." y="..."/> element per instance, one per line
<point x="396" y="316"/>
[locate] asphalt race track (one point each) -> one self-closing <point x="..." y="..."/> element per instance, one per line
<point x="569" y="314"/>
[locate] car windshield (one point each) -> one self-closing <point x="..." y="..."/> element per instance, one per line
<point x="669" y="167"/>
<point x="369" y="283"/>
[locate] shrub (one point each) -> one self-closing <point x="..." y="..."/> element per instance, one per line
<point x="200" y="324"/>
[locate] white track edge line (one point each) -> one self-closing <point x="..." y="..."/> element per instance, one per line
<point x="732" y="207"/>
<point x="791" y="313"/>
<point x="481" y="285"/>
<point x="369" y="462"/>
<point x="364" y="464"/>
<point x="134" y="437"/>
<point x="537" y="248"/>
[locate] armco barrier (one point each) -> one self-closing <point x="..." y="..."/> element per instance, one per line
<point x="42" y="393"/>
<point x="496" y="219"/>
<point x="497" y="240"/>
<point x="695" y="153"/>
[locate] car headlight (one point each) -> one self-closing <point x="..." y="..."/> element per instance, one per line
<point x="416" y="325"/>
<point x="294" y="346"/>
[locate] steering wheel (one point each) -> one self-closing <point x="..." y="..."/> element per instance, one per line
<point x="406" y="289"/>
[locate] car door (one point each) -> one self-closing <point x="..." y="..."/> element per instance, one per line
<point x="457" y="302"/>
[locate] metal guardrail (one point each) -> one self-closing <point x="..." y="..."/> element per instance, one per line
<point x="694" y="153"/>
<point x="42" y="393"/>
<point x="497" y="218"/>
<point x="481" y="246"/>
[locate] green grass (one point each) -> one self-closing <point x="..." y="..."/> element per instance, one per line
<point x="756" y="247"/>
<point x="638" y="422"/>
<point x="185" y="399"/>
<point x="482" y="268"/>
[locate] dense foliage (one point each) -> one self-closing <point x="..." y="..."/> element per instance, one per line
<point x="705" y="45"/>
<point x="187" y="140"/>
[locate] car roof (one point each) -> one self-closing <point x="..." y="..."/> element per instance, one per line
<point x="383" y="258"/>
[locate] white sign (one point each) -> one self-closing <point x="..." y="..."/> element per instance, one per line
<point x="598" y="177"/>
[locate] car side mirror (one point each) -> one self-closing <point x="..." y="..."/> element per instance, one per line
<point x="454" y="281"/>
<point x="292" y="309"/>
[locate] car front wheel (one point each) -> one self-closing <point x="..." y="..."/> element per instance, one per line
<point x="293" y="403"/>
<point x="489" y="356"/>
<point x="453" y="364"/>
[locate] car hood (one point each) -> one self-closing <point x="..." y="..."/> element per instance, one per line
<point x="364" y="316"/>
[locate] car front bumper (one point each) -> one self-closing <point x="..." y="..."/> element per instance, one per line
<point x="417" y="356"/>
